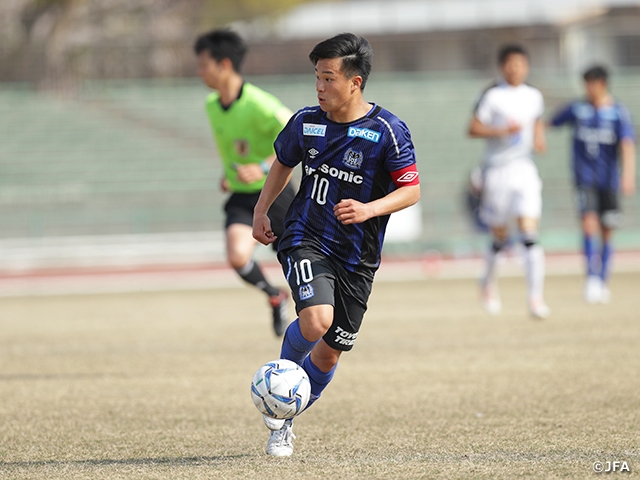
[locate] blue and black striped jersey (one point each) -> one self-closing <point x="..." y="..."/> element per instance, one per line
<point x="596" y="138"/>
<point x="363" y="160"/>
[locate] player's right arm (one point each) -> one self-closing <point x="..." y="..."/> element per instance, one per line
<point x="277" y="179"/>
<point x="477" y="129"/>
<point x="562" y="116"/>
<point x="627" y="137"/>
<point x="482" y="120"/>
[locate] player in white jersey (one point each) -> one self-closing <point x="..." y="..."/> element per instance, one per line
<point x="509" y="116"/>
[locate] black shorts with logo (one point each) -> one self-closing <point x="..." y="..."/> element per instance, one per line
<point x="604" y="202"/>
<point x="317" y="279"/>
<point x="239" y="209"/>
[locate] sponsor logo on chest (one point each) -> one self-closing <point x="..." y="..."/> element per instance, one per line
<point x="365" y="133"/>
<point x="314" y="130"/>
<point x="334" y="172"/>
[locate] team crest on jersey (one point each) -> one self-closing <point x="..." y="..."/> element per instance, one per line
<point x="313" y="153"/>
<point x="306" y="292"/>
<point x="242" y="147"/>
<point x="353" y="159"/>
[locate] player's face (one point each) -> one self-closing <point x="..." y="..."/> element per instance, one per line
<point x="210" y="70"/>
<point x="515" y="69"/>
<point x="595" y="89"/>
<point x="335" y="90"/>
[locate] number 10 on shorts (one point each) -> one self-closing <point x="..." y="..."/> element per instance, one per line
<point x="303" y="271"/>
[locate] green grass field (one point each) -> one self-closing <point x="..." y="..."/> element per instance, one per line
<point x="156" y="386"/>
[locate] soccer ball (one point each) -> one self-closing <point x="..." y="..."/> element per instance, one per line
<point x="280" y="389"/>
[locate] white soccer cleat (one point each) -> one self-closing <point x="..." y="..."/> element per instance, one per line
<point x="605" y="294"/>
<point x="273" y="423"/>
<point x="593" y="290"/>
<point x="281" y="441"/>
<point x="538" y="308"/>
<point x="491" y="299"/>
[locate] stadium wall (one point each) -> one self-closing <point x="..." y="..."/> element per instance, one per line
<point x="135" y="160"/>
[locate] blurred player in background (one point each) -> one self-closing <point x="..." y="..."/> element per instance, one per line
<point x="509" y="116"/>
<point x="245" y="121"/>
<point x="359" y="166"/>
<point x="602" y="133"/>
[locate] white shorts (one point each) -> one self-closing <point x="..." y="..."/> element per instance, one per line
<point x="511" y="191"/>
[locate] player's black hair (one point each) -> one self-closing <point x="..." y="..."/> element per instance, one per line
<point x="597" y="72"/>
<point x="512" y="49"/>
<point x="356" y="54"/>
<point x="221" y="44"/>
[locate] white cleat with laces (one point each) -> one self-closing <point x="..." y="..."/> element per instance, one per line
<point x="281" y="441"/>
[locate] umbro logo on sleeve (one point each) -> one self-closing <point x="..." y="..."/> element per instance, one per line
<point x="407" y="177"/>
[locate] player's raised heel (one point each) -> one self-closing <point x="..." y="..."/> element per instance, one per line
<point x="281" y="441"/>
<point x="490" y="298"/>
<point x="279" y="304"/>
<point x="273" y="423"/>
<point x="538" y="309"/>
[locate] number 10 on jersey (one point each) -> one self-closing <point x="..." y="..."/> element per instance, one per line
<point x="320" y="189"/>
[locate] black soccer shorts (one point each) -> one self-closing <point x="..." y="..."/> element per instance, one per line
<point x="318" y="279"/>
<point x="239" y="209"/>
<point x="604" y="202"/>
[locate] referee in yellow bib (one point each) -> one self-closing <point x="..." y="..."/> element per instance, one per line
<point x="245" y="121"/>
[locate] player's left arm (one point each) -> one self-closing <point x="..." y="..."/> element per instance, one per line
<point x="350" y="211"/>
<point x="539" y="137"/>
<point x="627" y="135"/>
<point x="628" y="160"/>
<point x="407" y="193"/>
<point x="269" y="122"/>
<point x="401" y="164"/>
<point x="252" y="172"/>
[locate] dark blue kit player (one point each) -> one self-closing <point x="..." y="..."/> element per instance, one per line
<point x="359" y="166"/>
<point x="604" y="161"/>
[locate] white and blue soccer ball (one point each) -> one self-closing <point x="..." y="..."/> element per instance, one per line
<point x="280" y="389"/>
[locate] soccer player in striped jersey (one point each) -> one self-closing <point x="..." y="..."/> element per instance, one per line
<point x="603" y="138"/>
<point x="358" y="167"/>
<point x="509" y="116"/>
<point x="245" y="121"/>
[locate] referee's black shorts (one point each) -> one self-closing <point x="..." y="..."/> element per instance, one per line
<point x="239" y="209"/>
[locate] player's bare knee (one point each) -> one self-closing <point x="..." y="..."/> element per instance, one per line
<point x="590" y="223"/>
<point x="238" y="261"/>
<point x="499" y="234"/>
<point x="315" y="321"/>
